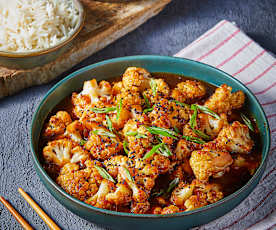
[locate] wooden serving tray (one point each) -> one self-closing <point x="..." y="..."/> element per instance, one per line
<point x="106" y="21"/>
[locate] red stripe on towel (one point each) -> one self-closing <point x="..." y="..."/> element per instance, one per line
<point x="269" y="103"/>
<point x="219" y="45"/>
<point x="265" y="90"/>
<point x="262" y="74"/>
<point x="234" y="54"/>
<point x="249" y="63"/>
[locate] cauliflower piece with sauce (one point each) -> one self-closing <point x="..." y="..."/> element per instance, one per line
<point x="188" y="90"/>
<point x="159" y="89"/>
<point x="210" y="162"/>
<point x="121" y="196"/>
<point x="235" y="138"/>
<point x="223" y="101"/>
<point x="170" y="210"/>
<point x="168" y="114"/>
<point x="136" y="79"/>
<point x="185" y="148"/>
<point x="80" y="183"/>
<point x="129" y="98"/>
<point x="57" y="124"/>
<point x="101" y="145"/>
<point x="140" y="207"/>
<point x="74" y="131"/>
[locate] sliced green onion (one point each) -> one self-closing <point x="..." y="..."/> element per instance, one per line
<point x="148" y="110"/>
<point x="193" y="139"/>
<point x="176" y="129"/>
<point x="132" y="133"/>
<point x="119" y="109"/>
<point x="193" y="117"/>
<point x="102" y="132"/>
<point x="152" y="151"/>
<point x="103" y="110"/>
<point x="104" y="173"/>
<point x="162" y="132"/>
<point x="172" y="185"/>
<point x="129" y="177"/>
<point x="165" y="151"/>
<point x="180" y="103"/>
<point x="201" y="134"/>
<point x="82" y="142"/>
<point x="109" y="123"/>
<point x="153" y="86"/>
<point x="157" y="194"/>
<point x="125" y="145"/>
<point x="247" y="121"/>
<point x="146" y="101"/>
<point x="207" y="111"/>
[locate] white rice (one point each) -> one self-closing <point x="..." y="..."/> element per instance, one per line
<point x="30" y="25"/>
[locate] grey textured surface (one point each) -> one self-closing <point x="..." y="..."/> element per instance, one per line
<point x="178" y="25"/>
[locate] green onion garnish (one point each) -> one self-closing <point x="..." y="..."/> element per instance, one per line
<point x="201" y="134"/>
<point x="119" y="108"/>
<point x="176" y="129"/>
<point x="104" y="173"/>
<point x="173" y="184"/>
<point x="162" y="132"/>
<point x="125" y="145"/>
<point x="193" y="117"/>
<point x="148" y="110"/>
<point x="102" y="132"/>
<point x="82" y="142"/>
<point x="207" y="111"/>
<point x="152" y="151"/>
<point x="136" y="134"/>
<point x="165" y="151"/>
<point x="180" y="103"/>
<point x="193" y="139"/>
<point x="153" y="86"/>
<point x="109" y="123"/>
<point x="132" y="133"/>
<point x="247" y="121"/>
<point x="103" y="110"/>
<point x="129" y="177"/>
<point x="146" y="101"/>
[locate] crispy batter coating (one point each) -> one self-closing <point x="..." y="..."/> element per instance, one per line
<point x="188" y="90"/>
<point x="210" y="162"/>
<point x="135" y="79"/>
<point x="57" y="124"/>
<point x="223" y="101"/>
<point x="185" y="148"/>
<point x="235" y="138"/>
<point x="159" y="89"/>
<point x="101" y="146"/>
<point x="170" y="210"/>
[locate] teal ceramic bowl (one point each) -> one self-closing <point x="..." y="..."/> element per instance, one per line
<point x="116" y="67"/>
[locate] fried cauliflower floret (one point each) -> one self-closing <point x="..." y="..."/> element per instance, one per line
<point x="162" y="163"/>
<point x="181" y="193"/>
<point x="57" y="124"/>
<point x="121" y="196"/>
<point x="235" y="138"/>
<point x="138" y="194"/>
<point x="136" y="79"/>
<point x="209" y="162"/>
<point x="138" y="115"/>
<point x="138" y="137"/>
<point x="79" y="183"/>
<point x="159" y="89"/>
<point x="74" y="131"/>
<point x="129" y="98"/>
<point x="99" y="200"/>
<point x="188" y="90"/>
<point x="194" y="202"/>
<point x="223" y="101"/>
<point x="117" y="87"/>
<point x="101" y="146"/>
<point x="112" y="165"/>
<point x="118" y="122"/>
<point x="170" y="210"/>
<point x="79" y="155"/>
<point x="168" y="114"/>
<point x="184" y="149"/>
<point x="58" y="152"/>
<point x="140" y="207"/>
<point x="210" y="125"/>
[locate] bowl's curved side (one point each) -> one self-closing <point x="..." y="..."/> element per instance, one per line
<point x="115" y="67"/>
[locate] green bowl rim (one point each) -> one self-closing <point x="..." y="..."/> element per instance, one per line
<point x="123" y="214"/>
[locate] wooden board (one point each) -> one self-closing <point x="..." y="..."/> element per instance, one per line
<point x="106" y="21"/>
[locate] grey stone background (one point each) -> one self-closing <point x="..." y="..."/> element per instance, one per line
<point x="178" y="25"/>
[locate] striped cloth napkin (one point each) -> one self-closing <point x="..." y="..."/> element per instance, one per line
<point x="226" y="47"/>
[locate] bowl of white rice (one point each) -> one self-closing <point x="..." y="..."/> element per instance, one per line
<point x="36" y="32"/>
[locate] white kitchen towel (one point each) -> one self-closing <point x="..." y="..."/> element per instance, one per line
<point x="228" y="48"/>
